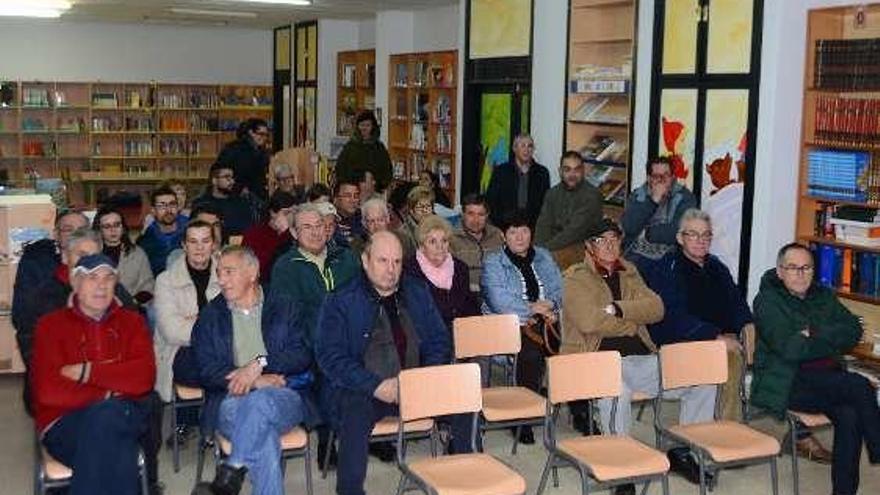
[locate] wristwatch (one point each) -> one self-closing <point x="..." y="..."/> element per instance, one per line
<point x="610" y="310"/>
<point x="262" y="360"/>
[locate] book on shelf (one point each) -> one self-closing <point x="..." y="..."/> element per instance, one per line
<point x="600" y="148"/>
<point x="847" y="121"/>
<point x="401" y="79"/>
<point x="847" y="270"/>
<point x="370" y="102"/>
<point x="349" y="77"/>
<point x="838" y="175"/>
<point x="600" y="110"/>
<point x="371" y="75"/>
<point x="601" y="86"/>
<point x="847" y="64"/>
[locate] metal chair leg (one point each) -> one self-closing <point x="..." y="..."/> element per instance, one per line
<point x="547" y="466"/>
<point x="142" y="468"/>
<point x="645" y="488"/>
<point x="774" y="475"/>
<point x="331" y="437"/>
<point x="641" y="411"/>
<point x="308" y="467"/>
<point x="516" y="434"/>
<point x="795" y="474"/>
<point x="175" y="444"/>
<point x="401" y="484"/>
<point x="204" y="444"/>
<point x="555" y="471"/>
<point x="665" y="484"/>
<point x="702" y="474"/>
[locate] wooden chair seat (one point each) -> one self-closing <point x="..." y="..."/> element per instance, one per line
<point x="296" y="438"/>
<point x="188" y="393"/>
<point x="510" y="403"/>
<point x="389" y="425"/>
<point x="727" y="441"/>
<point x="469" y="474"/>
<point x="613" y="457"/>
<point x="811" y="420"/>
<point x="54" y="469"/>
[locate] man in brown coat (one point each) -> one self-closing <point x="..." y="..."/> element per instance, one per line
<point x="606" y="307"/>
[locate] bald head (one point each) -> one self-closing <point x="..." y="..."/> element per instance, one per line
<point x="383" y="259"/>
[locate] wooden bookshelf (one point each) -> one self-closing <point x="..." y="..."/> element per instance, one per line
<point x="131" y="133"/>
<point x="600" y="92"/>
<point x="422" y="116"/>
<point x="356" y="87"/>
<point x="838" y="23"/>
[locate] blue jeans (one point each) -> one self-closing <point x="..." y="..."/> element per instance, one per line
<point x="100" y="444"/>
<point x="254" y="423"/>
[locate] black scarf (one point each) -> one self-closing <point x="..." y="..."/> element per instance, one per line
<point x="524" y="265"/>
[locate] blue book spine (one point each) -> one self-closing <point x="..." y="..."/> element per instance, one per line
<point x="826" y="265"/>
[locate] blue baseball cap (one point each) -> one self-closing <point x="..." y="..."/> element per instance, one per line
<point x="88" y="264"/>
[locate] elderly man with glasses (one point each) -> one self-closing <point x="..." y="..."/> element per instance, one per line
<point x="803" y="330"/>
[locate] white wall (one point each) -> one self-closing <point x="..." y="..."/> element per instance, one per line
<point x="436" y="29"/>
<point x="548" y="82"/>
<point x="333" y="36"/>
<point x="57" y="50"/>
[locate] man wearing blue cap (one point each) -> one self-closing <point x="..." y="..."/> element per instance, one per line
<point x="92" y="368"/>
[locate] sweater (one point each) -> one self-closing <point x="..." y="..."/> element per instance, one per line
<point x="455" y="302"/>
<point x="117" y="347"/>
<point x="264" y="241"/>
<point x="472" y="252"/>
<point x="568" y="215"/>
<point x="158" y="245"/>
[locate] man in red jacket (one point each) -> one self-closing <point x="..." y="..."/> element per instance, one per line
<point x="93" y="362"/>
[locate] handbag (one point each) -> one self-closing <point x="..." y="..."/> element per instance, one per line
<point x="545" y="335"/>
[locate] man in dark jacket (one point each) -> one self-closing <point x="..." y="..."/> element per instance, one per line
<point x="368" y="331"/>
<point x="252" y="357"/>
<point x="702" y="301"/>
<point x="571" y="209"/>
<point x="365" y="152"/>
<point x="248" y="157"/>
<point x="237" y="212"/>
<point x="164" y="234"/>
<point x="652" y="214"/>
<point x="519" y="184"/>
<point x="802" y="332"/>
<point x="347" y="200"/>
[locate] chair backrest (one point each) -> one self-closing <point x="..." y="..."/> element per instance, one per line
<point x="586" y="375"/>
<point x="749" y="340"/>
<point x="486" y="335"/>
<point x="439" y="390"/>
<point x="693" y="363"/>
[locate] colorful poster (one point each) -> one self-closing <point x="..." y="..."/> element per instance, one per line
<point x="724" y="172"/>
<point x="678" y="117"/>
<point x="730" y="37"/>
<point x="500" y="28"/>
<point x="680" y="36"/>
<point x="495" y="119"/>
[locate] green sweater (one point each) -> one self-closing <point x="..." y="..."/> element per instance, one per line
<point x="305" y="283"/>
<point x="781" y="348"/>
<point x="567" y="215"/>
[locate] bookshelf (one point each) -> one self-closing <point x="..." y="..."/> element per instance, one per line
<point x="95" y="134"/>
<point x="422" y="116"/>
<point x="599" y="92"/>
<point x="356" y="87"/>
<point x="840" y="154"/>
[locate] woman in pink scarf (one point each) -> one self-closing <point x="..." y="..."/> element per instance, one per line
<point x="447" y="277"/>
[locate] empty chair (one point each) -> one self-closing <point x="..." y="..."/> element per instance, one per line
<point x="506" y="406"/>
<point x="610" y="460"/>
<point x="716" y="444"/>
<point x="435" y="391"/>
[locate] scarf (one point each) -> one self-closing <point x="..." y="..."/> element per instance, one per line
<point x="524" y="265"/>
<point x="439" y="276"/>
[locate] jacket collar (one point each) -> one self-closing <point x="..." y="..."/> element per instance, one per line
<point x="178" y="274"/>
<point x="73" y="306"/>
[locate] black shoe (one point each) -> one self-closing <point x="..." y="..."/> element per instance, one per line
<point x="322" y="454"/>
<point x="183" y="435"/>
<point x="227" y="481"/>
<point x="682" y="462"/>
<point x="526" y="436"/>
<point x="627" y="489"/>
<point x="384" y="451"/>
<point x="582" y="423"/>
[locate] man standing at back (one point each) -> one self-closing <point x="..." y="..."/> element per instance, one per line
<point x="571" y="209"/>
<point x="519" y="184"/>
<point x="238" y="213"/>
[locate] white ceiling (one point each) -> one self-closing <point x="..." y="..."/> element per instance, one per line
<point x="268" y="15"/>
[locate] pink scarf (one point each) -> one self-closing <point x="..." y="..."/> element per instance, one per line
<point x="439" y="276"/>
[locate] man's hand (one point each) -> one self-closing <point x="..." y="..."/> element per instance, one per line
<point x="543" y="308"/>
<point x="659" y="190"/>
<point x="387" y="391"/>
<point x="74" y="371"/>
<point x="269" y="380"/>
<point x="242" y="379"/>
<point x="730" y="342"/>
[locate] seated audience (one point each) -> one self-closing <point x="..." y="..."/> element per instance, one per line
<point x="607" y="307"/>
<point x="446" y="276"/>
<point x="238" y="212"/>
<point x="163" y="235"/>
<point x="93" y="371"/>
<point x="368" y="331"/>
<point x="475" y="238"/>
<point x="430" y="180"/>
<point x="347" y="200"/>
<point x="652" y="214"/>
<point x="251" y="356"/>
<point x="266" y="238"/>
<point x="803" y="332"/>
<point x="38" y="262"/>
<point x="375" y="218"/>
<point x="131" y="261"/>
<point x="571" y="209"/>
<point x="419" y="204"/>
<point x="523" y="280"/>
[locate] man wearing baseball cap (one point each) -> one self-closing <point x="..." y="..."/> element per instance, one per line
<point x="92" y="367"/>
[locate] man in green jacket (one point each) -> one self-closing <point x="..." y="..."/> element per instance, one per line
<point x="802" y="332"/>
<point x="571" y="210"/>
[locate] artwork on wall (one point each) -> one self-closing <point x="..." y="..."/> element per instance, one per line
<point x="730" y="37"/>
<point x="678" y="117"/>
<point x="500" y="28"/>
<point x="495" y="122"/>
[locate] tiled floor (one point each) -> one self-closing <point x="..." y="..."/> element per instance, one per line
<point x="16" y="461"/>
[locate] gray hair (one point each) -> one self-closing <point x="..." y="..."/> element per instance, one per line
<point x="694" y="214"/>
<point x="81" y="235"/>
<point x="306" y="208"/>
<point x="282" y="168"/>
<point x="374" y="204"/>
<point x="522" y="137"/>
<point x="244" y="252"/>
<point x="65" y="214"/>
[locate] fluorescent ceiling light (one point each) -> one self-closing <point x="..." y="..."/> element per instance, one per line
<point x="214" y="13"/>
<point x="33" y="8"/>
<point x="279" y="2"/>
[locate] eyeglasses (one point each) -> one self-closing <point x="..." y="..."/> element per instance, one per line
<point x="349" y="196"/>
<point x="659" y="177"/>
<point x="225" y="176"/>
<point x="693" y="235"/>
<point x="111" y="226"/>
<point x="800" y="269"/>
<point x="375" y="220"/>
<point x="605" y="241"/>
<point x="166" y="206"/>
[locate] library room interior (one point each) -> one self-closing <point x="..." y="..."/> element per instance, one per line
<point x="460" y="247"/>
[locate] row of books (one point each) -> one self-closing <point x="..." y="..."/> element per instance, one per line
<point x="604" y="148"/>
<point x="847" y="64"/>
<point x="602" y="110"/>
<point x="851" y="121"/>
<point x="847" y="270"/>
<point x="839" y="175"/>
